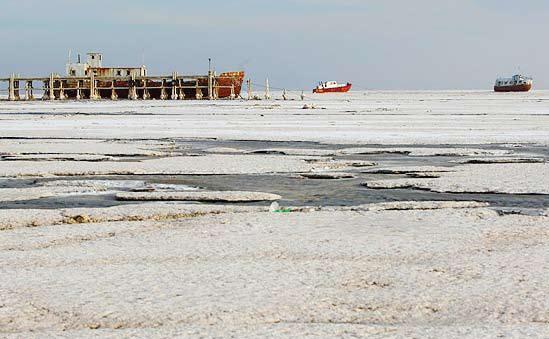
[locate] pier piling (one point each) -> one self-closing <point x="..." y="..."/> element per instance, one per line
<point x="51" y="87"/>
<point x="29" y="95"/>
<point x="95" y="86"/>
<point x="174" y="86"/>
<point x="78" y="90"/>
<point x="198" y="91"/>
<point x="114" y="95"/>
<point x="181" y="91"/>
<point x="132" y="93"/>
<point x="11" y="88"/>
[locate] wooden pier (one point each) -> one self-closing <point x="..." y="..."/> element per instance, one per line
<point x="92" y="87"/>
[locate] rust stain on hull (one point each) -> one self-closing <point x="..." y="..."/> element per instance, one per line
<point x="513" y="88"/>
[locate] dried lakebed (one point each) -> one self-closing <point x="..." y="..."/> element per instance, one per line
<point x="303" y="174"/>
<point x="398" y="215"/>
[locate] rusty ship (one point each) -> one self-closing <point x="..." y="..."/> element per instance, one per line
<point x="517" y="83"/>
<point x="134" y="83"/>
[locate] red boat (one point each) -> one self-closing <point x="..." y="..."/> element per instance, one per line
<point x="332" y="87"/>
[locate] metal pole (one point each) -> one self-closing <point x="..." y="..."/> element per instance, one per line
<point x="210" y="80"/>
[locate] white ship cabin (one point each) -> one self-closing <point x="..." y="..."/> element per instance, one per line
<point x="328" y="84"/>
<point x="515" y="80"/>
<point x="94" y="65"/>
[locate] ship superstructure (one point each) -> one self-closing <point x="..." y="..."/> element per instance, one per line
<point x="94" y="65"/>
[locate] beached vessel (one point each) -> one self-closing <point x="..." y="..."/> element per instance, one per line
<point x="134" y="82"/>
<point x="332" y="87"/>
<point x="517" y="83"/>
<point x="226" y="81"/>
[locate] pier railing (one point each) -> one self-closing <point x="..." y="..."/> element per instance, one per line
<point x="162" y="87"/>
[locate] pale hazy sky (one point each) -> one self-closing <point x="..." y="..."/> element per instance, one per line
<point x="383" y="44"/>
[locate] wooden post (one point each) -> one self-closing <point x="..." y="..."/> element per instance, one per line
<point x="11" y="90"/>
<point x="249" y="83"/>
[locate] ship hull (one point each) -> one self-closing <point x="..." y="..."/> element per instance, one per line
<point x="228" y="80"/>
<point x="342" y="89"/>
<point x="513" y="88"/>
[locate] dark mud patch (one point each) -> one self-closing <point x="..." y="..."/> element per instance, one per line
<point x="294" y="190"/>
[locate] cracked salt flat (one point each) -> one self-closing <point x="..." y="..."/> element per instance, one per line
<point x="513" y="178"/>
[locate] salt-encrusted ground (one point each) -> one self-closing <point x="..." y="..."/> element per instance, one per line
<point x="170" y="268"/>
<point x="360" y="117"/>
